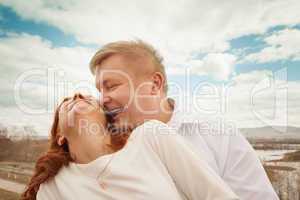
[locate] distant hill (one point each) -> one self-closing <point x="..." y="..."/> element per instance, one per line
<point x="268" y="132"/>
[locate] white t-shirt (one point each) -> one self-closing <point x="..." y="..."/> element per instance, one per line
<point x="155" y="164"/>
<point x="228" y="153"/>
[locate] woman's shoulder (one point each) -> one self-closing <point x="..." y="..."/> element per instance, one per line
<point x="47" y="190"/>
<point x="50" y="188"/>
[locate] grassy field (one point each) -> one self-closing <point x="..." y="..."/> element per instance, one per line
<point x="16" y="171"/>
<point x="17" y="160"/>
<point x="5" y="195"/>
<point x="292" y="157"/>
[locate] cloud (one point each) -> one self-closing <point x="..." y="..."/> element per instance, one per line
<point x="282" y="45"/>
<point x="12" y="116"/>
<point x="180" y="31"/>
<point x="252" y="77"/>
<point x="27" y="55"/>
<point x="35" y="76"/>
<point x="218" y="65"/>
<point x="265" y="97"/>
<point x="22" y="52"/>
<point x="253" y="99"/>
<point x="187" y="26"/>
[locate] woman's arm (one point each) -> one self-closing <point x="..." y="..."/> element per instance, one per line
<point x="191" y="174"/>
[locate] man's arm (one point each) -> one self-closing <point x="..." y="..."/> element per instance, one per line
<point x="244" y="172"/>
<point x="233" y="158"/>
<point x="190" y="172"/>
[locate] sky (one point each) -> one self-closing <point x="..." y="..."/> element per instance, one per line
<point x="234" y="61"/>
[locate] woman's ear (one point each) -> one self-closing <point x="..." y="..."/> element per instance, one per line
<point x="61" y="140"/>
<point x="158" y="82"/>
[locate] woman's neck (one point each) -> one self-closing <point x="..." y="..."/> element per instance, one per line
<point x="86" y="148"/>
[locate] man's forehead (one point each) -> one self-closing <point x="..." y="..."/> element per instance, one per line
<point x="113" y="71"/>
<point x="107" y="73"/>
<point x="113" y="66"/>
<point x="111" y="74"/>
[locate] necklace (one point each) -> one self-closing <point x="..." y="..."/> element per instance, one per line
<point x="101" y="183"/>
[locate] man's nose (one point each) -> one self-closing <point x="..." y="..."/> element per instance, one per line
<point x="104" y="100"/>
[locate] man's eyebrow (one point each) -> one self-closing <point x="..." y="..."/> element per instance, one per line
<point x="98" y="84"/>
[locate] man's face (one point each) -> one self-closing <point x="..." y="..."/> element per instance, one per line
<point x="121" y="86"/>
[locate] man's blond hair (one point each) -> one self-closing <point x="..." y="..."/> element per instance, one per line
<point x="136" y="48"/>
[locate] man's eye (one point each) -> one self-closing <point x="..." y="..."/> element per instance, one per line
<point x="111" y="87"/>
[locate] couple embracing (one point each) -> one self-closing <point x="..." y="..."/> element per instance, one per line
<point x="131" y="144"/>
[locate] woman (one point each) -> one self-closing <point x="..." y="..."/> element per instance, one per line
<point x="84" y="161"/>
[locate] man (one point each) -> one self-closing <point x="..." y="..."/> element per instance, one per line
<point x="132" y="81"/>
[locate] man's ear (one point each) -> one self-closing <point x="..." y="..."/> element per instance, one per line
<point x="158" y="82"/>
<point x="61" y="140"/>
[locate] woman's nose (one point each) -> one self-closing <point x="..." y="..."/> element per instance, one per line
<point x="78" y="95"/>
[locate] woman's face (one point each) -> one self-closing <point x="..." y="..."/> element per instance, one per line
<point x="80" y="115"/>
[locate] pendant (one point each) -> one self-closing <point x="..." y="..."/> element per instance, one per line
<point x="103" y="185"/>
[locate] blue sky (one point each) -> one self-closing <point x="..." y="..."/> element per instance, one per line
<point x="221" y="45"/>
<point x="12" y="22"/>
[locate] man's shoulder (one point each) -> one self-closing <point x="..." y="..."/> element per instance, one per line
<point x="219" y="139"/>
<point x="208" y="129"/>
<point x="153" y="130"/>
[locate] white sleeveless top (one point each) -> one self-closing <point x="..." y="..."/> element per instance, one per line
<point x="155" y="164"/>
